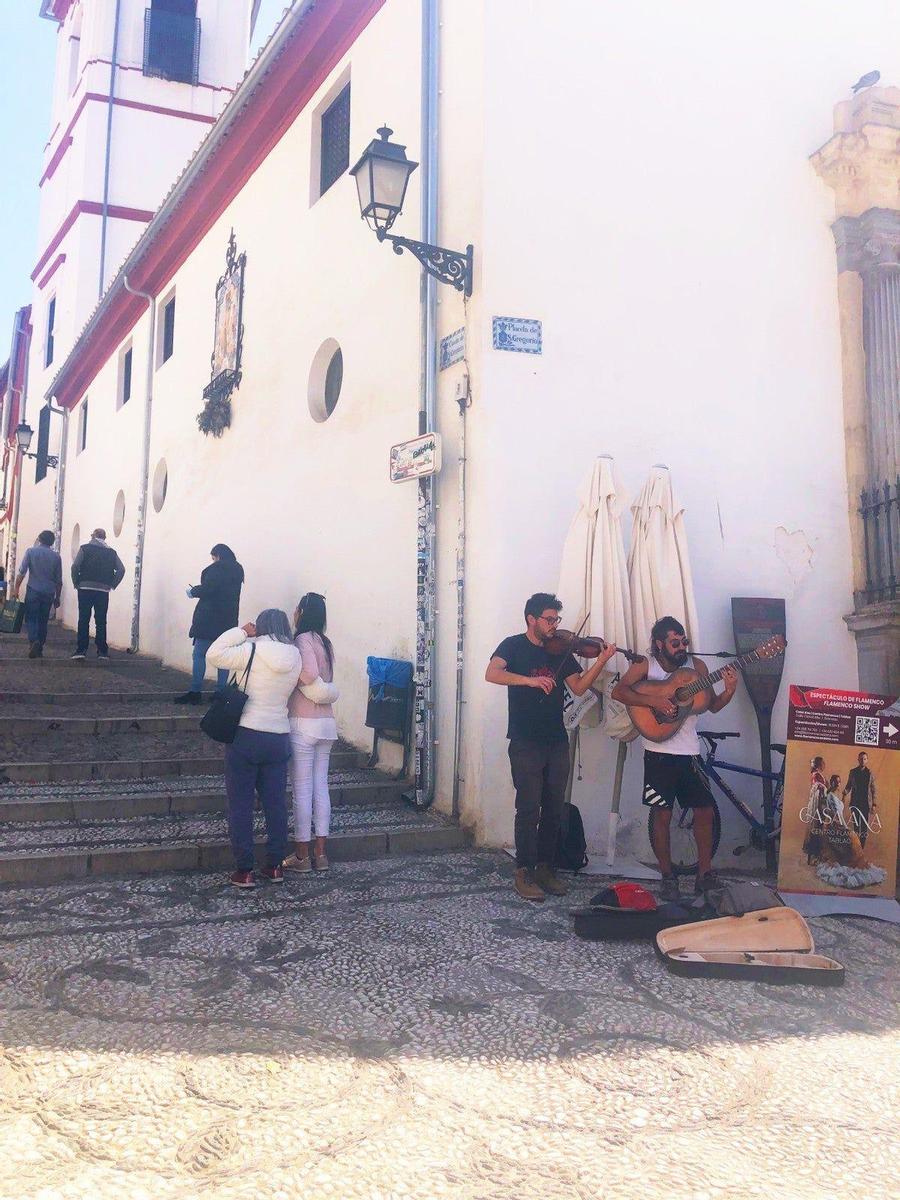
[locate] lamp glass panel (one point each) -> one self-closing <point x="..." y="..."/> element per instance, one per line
<point x="390" y="183"/>
<point x="363" y="179"/>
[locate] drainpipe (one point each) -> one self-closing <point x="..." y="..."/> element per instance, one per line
<point x="464" y="400"/>
<point x="145" y="472"/>
<point x="109" y="120"/>
<point x="19" y="460"/>
<point x="426" y="633"/>
<point x="59" y="498"/>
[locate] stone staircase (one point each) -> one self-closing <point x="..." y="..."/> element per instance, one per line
<point x="101" y="774"/>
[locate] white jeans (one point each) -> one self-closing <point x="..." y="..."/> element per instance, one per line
<point x="309" y="770"/>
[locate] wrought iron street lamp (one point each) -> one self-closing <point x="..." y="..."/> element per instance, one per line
<point x="382" y="175"/>
<point x="24" y="434"/>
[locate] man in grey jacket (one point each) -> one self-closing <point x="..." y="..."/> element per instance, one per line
<point x="43" y="566"/>
<point x="96" y="571"/>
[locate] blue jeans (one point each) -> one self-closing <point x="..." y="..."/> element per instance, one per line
<point x="37" y="614"/>
<point x="257" y="762"/>
<point x="201" y="645"/>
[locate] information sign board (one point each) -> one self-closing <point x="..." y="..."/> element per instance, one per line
<point x="841" y="793"/>
<point x="520" y="334"/>
<point x="415" y="458"/>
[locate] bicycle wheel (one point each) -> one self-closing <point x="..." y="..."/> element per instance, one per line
<point x="681" y="837"/>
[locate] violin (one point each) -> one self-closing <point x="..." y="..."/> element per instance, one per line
<point x="564" y="641"/>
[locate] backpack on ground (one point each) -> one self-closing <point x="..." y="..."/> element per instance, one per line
<point x="735" y="897"/>
<point x="571" y="848"/>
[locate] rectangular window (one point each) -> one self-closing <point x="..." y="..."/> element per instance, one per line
<point x="82" y="426"/>
<point x="43" y="444"/>
<point x="74" y="49"/>
<point x="335" y="141"/>
<point x="124" y="377"/>
<point x="51" y="322"/>
<point x="168" y="332"/>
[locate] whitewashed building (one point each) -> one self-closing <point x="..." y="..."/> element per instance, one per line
<point x="636" y="178"/>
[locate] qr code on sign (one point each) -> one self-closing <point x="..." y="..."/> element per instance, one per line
<point x="867" y="730"/>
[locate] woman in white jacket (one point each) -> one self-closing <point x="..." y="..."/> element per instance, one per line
<point x="257" y="759"/>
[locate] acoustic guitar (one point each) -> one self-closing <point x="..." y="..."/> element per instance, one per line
<point x="690" y="691"/>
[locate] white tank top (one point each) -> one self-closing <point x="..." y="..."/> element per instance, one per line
<point x="685" y="741"/>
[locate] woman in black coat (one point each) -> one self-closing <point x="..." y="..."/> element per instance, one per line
<point x="218" y="596"/>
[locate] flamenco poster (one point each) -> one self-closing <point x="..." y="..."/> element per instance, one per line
<point x="841" y="793"/>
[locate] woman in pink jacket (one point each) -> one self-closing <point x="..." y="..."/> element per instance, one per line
<point x="313" y="733"/>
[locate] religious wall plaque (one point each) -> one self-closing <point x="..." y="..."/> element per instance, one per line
<point x="225" y="361"/>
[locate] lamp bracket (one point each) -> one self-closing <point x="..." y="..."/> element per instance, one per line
<point x="447" y="266"/>
<point x="51" y="460"/>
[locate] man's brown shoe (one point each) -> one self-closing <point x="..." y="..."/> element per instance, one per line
<point x="544" y="877"/>
<point x="526" y="886"/>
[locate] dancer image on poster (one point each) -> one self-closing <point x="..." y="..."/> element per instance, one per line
<point x="861" y="786"/>
<point x="818" y="789"/>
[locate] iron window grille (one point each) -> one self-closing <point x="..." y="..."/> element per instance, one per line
<point x="168" y="338"/>
<point x="51" y="322"/>
<point x="171" y="45"/>
<point x="126" y="377"/>
<point x="335" y="141"/>
<point x="880" y="512"/>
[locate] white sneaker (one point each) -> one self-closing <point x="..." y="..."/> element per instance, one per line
<point x="77" y="655"/>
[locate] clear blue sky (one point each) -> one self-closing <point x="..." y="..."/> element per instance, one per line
<point x="25" y="86"/>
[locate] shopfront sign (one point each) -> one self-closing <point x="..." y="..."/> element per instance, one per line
<point x="416" y="458"/>
<point x="520" y="334"/>
<point x="841" y="793"/>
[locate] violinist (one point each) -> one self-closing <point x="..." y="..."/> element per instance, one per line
<point x="538" y="744"/>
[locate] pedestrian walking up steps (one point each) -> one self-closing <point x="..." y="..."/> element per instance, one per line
<point x="100" y="775"/>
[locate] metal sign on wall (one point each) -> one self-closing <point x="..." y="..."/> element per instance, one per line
<point x="418" y="457"/>
<point x="453" y="348"/>
<point x="522" y="335"/>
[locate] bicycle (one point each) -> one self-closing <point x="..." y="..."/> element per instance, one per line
<point x="684" y="848"/>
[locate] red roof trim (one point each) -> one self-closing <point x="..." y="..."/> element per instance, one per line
<point x="57" y="263"/>
<point x="92" y="208"/>
<point x="323" y="37"/>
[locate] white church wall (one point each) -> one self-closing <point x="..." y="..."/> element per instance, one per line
<point x="648" y="197"/>
<point x="304" y="505"/>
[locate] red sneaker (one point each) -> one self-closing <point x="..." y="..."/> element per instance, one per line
<point x="273" y="874"/>
<point x="242" y="879"/>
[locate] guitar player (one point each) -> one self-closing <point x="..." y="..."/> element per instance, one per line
<point x="671" y="768"/>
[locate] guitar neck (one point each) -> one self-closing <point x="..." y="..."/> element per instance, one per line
<point x="706" y="681"/>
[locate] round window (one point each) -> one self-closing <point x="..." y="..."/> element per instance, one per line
<point x="160" y="484"/>
<point x="325" y="378"/>
<point x="76" y="539"/>
<point x="119" y="513"/>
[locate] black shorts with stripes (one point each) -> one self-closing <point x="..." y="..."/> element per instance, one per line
<point x="671" y="777"/>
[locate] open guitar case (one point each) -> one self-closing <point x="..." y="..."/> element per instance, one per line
<point x="772" y="945"/>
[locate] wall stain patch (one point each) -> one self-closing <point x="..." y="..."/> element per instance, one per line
<point x="794" y="550"/>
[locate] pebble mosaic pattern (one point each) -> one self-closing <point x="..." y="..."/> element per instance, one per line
<point x="409" y="1028"/>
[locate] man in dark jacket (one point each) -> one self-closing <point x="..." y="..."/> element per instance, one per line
<point x="96" y="571"/>
<point x="218" y="598"/>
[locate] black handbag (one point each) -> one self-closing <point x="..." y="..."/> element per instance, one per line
<point x="220" y="722"/>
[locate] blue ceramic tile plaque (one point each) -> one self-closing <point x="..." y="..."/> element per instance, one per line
<point x="520" y="334"/>
<point x="453" y="348"/>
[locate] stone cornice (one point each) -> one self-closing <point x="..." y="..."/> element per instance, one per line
<point x="861" y="162"/>
<point x="868" y="241"/>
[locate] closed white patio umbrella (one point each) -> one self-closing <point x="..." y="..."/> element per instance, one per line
<point x="659" y="569"/>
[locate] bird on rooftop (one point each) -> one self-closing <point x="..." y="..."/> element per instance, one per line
<point x="868" y="80"/>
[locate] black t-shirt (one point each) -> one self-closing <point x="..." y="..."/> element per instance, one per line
<point x="534" y="716"/>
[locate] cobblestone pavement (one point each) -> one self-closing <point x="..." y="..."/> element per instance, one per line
<point x="409" y="1028"/>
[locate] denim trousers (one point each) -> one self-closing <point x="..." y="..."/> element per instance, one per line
<point x="90" y="601"/>
<point x="256" y="763"/>
<point x="201" y="645"/>
<point x="37" y="614"/>
<point x="540" y="772"/>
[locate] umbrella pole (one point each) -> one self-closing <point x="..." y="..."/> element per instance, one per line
<point x="616" y="802"/>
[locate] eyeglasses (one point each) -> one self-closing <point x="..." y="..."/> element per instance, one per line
<point x="552" y="620"/>
<point x="685" y="642"/>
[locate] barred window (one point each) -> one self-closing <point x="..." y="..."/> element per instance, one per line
<point x="335" y="146"/>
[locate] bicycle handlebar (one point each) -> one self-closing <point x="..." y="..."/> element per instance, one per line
<point x="712" y="738"/>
